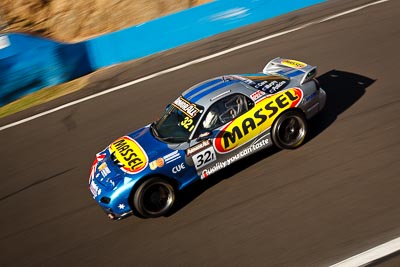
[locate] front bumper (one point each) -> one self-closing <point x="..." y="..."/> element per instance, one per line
<point x="114" y="216"/>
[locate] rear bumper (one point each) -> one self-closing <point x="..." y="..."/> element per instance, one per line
<point x="322" y="98"/>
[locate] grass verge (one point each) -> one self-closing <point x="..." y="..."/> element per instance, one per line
<point x="43" y="95"/>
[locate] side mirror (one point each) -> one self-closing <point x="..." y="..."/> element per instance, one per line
<point x="204" y="135"/>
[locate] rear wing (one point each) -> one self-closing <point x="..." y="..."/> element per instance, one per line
<point x="278" y="65"/>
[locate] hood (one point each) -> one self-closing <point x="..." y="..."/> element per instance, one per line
<point x="104" y="172"/>
<point x="134" y="154"/>
<point x="145" y="146"/>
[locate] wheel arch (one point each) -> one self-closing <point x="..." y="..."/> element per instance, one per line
<point x="295" y="109"/>
<point x="141" y="180"/>
<point x="272" y="131"/>
<point x="288" y="110"/>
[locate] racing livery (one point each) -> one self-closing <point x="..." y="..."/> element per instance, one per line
<point x="210" y="126"/>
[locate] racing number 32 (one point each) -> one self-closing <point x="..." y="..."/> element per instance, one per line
<point x="204" y="158"/>
<point x="187" y="123"/>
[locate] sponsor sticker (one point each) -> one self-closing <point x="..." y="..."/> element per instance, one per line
<point x="256" y="95"/>
<point x="171" y="157"/>
<point x="310" y="97"/>
<point x="178" y="168"/>
<point x="293" y="63"/>
<point x="198" y="147"/>
<point x="260" y="118"/>
<point x="275" y="86"/>
<point x="245" y="152"/>
<point x="160" y="162"/>
<point x="104" y="170"/>
<point x="94" y="189"/>
<point x="186" y="107"/>
<point x="129" y="155"/>
<point x="266" y="83"/>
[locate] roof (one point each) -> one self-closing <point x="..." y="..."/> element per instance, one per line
<point x="204" y="92"/>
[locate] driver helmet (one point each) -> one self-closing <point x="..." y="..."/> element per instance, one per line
<point x="210" y="119"/>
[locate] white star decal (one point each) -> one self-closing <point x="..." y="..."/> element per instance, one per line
<point x="121" y="206"/>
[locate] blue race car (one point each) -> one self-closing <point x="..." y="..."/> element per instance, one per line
<point x="210" y="126"/>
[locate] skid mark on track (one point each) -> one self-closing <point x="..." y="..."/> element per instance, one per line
<point x="34" y="184"/>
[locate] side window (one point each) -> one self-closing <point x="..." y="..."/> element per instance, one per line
<point x="224" y="111"/>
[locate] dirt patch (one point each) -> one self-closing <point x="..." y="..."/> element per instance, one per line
<point x="70" y="21"/>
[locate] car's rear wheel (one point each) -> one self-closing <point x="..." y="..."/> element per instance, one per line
<point x="154" y="197"/>
<point x="289" y="130"/>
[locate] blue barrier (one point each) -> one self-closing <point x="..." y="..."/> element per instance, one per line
<point x="30" y="63"/>
<point x="184" y="27"/>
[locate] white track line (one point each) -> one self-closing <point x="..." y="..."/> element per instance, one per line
<point x="196" y="61"/>
<point x="371" y="255"/>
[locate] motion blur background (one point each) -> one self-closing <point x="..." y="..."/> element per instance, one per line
<point x="68" y="21"/>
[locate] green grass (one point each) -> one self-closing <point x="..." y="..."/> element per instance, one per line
<point x="43" y="96"/>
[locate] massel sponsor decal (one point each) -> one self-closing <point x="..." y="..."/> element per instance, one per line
<point x="258" y="119"/>
<point x="187" y="108"/>
<point x="129" y="154"/>
<point x="293" y="63"/>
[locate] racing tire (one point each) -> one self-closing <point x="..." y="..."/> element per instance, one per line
<point x="289" y="130"/>
<point x="154" y="197"/>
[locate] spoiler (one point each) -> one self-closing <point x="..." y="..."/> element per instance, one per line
<point x="279" y="64"/>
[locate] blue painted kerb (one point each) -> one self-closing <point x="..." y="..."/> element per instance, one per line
<point x="30" y="63"/>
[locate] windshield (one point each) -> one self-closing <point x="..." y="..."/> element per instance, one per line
<point x="178" y="121"/>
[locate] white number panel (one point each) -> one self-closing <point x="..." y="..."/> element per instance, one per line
<point x="204" y="157"/>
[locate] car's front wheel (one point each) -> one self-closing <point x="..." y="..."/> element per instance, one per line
<point x="289" y="130"/>
<point x="154" y="197"/>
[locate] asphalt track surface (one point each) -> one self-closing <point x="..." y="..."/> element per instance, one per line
<point x="332" y="198"/>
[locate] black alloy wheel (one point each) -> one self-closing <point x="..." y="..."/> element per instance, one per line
<point x="154" y="197"/>
<point x="289" y="130"/>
